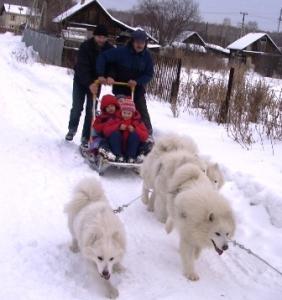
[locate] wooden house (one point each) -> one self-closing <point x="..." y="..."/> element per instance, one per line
<point x="252" y="46"/>
<point x="14" y="17"/>
<point x="88" y="14"/>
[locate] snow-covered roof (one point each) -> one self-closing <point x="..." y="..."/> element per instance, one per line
<point x="187" y="34"/>
<point x="77" y="7"/>
<point x="153" y="46"/>
<point x="190" y="46"/>
<point x="218" y="48"/>
<point x="16" y="9"/>
<point x="249" y="39"/>
<point x="72" y="11"/>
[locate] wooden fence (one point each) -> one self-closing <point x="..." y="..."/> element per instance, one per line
<point x="49" y="48"/>
<point x="165" y="83"/>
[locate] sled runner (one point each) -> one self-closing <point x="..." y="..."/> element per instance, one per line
<point x="95" y="160"/>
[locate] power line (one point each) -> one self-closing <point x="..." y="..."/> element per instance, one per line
<point x="219" y="13"/>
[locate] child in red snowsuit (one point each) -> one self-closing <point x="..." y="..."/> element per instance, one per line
<point x="126" y="133"/>
<point x="109" y="111"/>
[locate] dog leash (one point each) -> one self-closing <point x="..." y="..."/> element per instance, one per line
<point x="122" y="207"/>
<point x="249" y="251"/>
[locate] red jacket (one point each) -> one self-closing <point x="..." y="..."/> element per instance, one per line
<point x="102" y="120"/>
<point x="135" y="121"/>
<point x="104" y="117"/>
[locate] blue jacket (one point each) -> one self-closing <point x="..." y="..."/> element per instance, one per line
<point x="126" y="64"/>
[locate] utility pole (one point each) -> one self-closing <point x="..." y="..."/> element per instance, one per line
<point x="206" y="31"/>
<point x="279" y="20"/>
<point x="243" y="22"/>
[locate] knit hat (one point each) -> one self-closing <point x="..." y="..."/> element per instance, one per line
<point x="101" y="30"/>
<point x="139" y="35"/>
<point x="109" y="100"/>
<point x="127" y="105"/>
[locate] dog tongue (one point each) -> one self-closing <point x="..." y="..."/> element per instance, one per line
<point x="219" y="252"/>
<point x="107" y="277"/>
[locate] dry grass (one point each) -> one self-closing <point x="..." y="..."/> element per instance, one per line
<point x="254" y="112"/>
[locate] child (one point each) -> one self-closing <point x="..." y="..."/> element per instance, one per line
<point x="109" y="110"/>
<point x="126" y="133"/>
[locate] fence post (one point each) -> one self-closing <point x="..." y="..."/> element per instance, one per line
<point x="175" y="89"/>
<point x="223" y="112"/>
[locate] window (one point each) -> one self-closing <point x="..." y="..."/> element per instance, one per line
<point x="13" y="18"/>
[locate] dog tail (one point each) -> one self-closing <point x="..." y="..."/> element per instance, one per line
<point x="88" y="190"/>
<point x="172" y="142"/>
<point x="184" y="176"/>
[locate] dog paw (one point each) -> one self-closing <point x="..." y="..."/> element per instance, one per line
<point x="113" y="293"/>
<point x="192" y="276"/>
<point x="168" y="226"/>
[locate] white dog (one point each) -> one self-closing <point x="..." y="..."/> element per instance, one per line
<point x="165" y="144"/>
<point x="201" y="215"/>
<point x="163" y="170"/>
<point x="153" y="163"/>
<point x="215" y="175"/>
<point x="168" y="164"/>
<point x="96" y="231"/>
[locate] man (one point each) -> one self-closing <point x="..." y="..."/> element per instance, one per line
<point x="133" y="64"/>
<point x="83" y="83"/>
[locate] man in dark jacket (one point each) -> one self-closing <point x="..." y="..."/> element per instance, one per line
<point x="83" y="83"/>
<point x="133" y="64"/>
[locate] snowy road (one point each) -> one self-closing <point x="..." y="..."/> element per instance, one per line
<point x="39" y="169"/>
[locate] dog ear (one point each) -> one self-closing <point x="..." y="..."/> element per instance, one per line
<point x="119" y="239"/>
<point x="116" y="235"/>
<point x="94" y="238"/>
<point x="175" y="191"/>
<point x="88" y="252"/>
<point x="211" y="217"/>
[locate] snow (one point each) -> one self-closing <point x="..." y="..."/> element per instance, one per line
<point x="249" y="39"/>
<point x="218" y="48"/>
<point x="16" y="9"/>
<point x="39" y="170"/>
<point x="188" y="46"/>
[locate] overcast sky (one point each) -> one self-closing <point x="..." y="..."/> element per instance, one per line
<point x="265" y="12"/>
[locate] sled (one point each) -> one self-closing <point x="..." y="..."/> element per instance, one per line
<point x="96" y="161"/>
<point x="100" y="165"/>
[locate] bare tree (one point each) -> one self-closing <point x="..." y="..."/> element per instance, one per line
<point x="167" y="19"/>
<point x="252" y="26"/>
<point x="226" y="22"/>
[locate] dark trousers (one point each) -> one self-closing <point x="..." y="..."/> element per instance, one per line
<point x="79" y="93"/>
<point x="141" y="106"/>
<point x="116" y="143"/>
